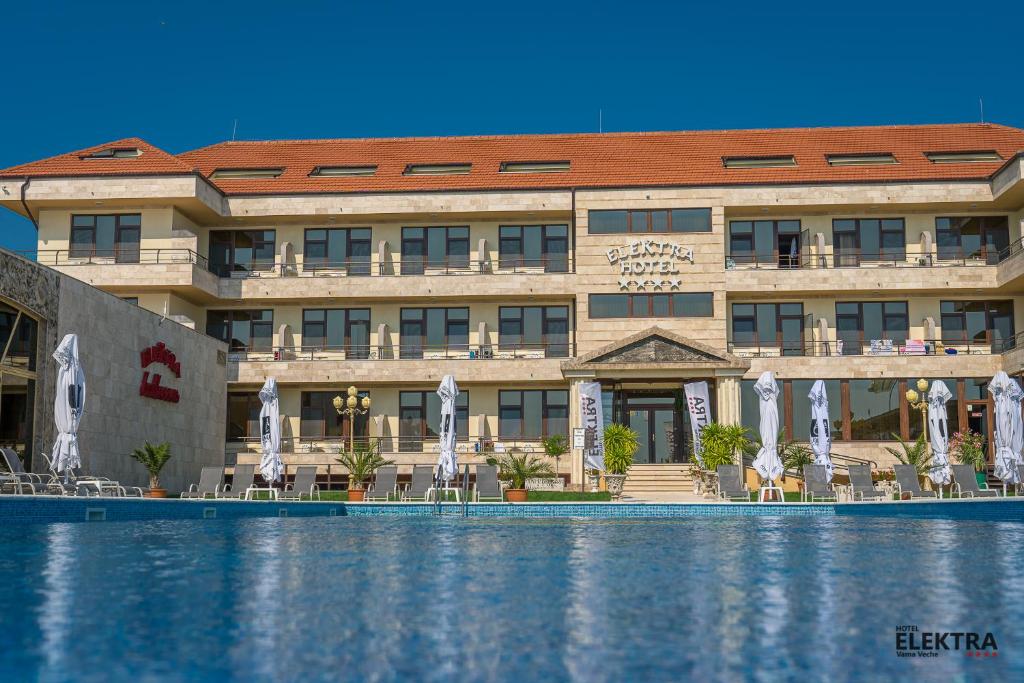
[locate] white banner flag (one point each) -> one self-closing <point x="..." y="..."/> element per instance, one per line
<point x="700" y="413"/>
<point x="593" y="419"/>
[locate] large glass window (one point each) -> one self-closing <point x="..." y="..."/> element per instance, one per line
<point x="436" y="330"/>
<point x="241" y="251"/>
<point x="345" y="249"/>
<point x="107" y="236"/>
<point x="769" y="325"/>
<point x="320" y="420"/>
<point x="336" y="329"/>
<point x="19" y="352"/>
<point x="242" y="330"/>
<point x="978" y="322"/>
<point x="682" y="305"/>
<point x="535" y="327"/>
<point x="243" y="416"/>
<point x="765" y="243"/>
<point x="533" y="414"/>
<point x="972" y="237"/>
<point x="868" y="239"/>
<point x="860" y="323"/>
<point x="649" y="220"/>
<point x="419" y="416"/>
<point x="534" y="246"/>
<point x="799" y="413"/>
<point x="874" y="409"/>
<point x="434" y="248"/>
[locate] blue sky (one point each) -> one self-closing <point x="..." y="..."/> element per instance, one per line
<point x="179" y="73"/>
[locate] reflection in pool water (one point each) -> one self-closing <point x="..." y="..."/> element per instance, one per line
<point x="390" y="598"/>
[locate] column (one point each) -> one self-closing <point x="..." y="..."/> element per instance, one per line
<point x="728" y="397"/>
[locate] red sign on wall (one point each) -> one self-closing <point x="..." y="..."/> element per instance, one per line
<point x="150" y="388"/>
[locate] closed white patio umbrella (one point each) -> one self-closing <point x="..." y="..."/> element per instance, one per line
<point x="1006" y="395"/>
<point x="938" y="433"/>
<point x="447" y="463"/>
<point x="821" y="431"/>
<point x="68" y="405"/>
<point x="271" y="466"/>
<point x="767" y="463"/>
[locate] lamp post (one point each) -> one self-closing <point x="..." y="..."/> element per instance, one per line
<point x="919" y="399"/>
<point x="352" y="406"/>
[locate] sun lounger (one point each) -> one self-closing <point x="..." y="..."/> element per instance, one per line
<point x="75" y="483"/>
<point x="487" y="485"/>
<point x="241" y="481"/>
<point x="17" y="479"/>
<point x="965" y="483"/>
<point x="907" y="482"/>
<point x="862" y="485"/>
<point x="1020" y="479"/>
<point x="815" y="484"/>
<point x="304" y="484"/>
<point x="385" y="484"/>
<point x="730" y="483"/>
<point x="211" y="482"/>
<point x="422" y="481"/>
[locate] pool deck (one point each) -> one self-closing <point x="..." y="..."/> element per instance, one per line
<point x="56" y="509"/>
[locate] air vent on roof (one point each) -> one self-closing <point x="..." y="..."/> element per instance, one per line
<point x="963" y="157"/>
<point x="534" y="166"/>
<point x="342" y="171"/>
<point x="243" y="173"/>
<point x="114" y="153"/>
<point x="437" y="169"/>
<point x="759" y="162"/>
<point x="872" y="159"/>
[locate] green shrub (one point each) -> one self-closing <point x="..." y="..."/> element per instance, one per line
<point x="620" y="445"/>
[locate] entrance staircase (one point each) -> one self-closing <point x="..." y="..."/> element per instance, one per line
<point x="658" y="479"/>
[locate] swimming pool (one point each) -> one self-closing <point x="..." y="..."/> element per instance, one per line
<point x="390" y="598"/>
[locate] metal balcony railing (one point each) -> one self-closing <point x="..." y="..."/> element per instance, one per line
<point x="116" y="256"/>
<point x="878" y="348"/>
<point x="398" y="267"/>
<point x="501" y="351"/>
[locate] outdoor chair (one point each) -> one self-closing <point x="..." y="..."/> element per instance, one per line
<point x="861" y="484"/>
<point x="385" y="484"/>
<point x="1020" y="479"/>
<point x="422" y="481"/>
<point x="730" y="483"/>
<point x="303" y="484"/>
<point x="965" y="483"/>
<point x="241" y="481"/>
<point x="211" y="482"/>
<point x="75" y="483"/>
<point x="487" y="485"/>
<point x="907" y="482"/>
<point x="18" y="479"/>
<point x="816" y="485"/>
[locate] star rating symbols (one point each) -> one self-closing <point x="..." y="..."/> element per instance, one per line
<point x="657" y="284"/>
<point x="641" y="284"/>
<point x="674" y="284"/>
<point x="624" y="284"/>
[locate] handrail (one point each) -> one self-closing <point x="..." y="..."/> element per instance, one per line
<point x="842" y="258"/>
<point x="927" y="347"/>
<point x="396" y="267"/>
<point x="116" y="256"/>
<point x="348" y="352"/>
<point x="465" y="491"/>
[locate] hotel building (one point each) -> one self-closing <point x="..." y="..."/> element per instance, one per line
<point x="524" y="265"/>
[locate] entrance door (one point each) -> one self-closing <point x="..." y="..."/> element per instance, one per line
<point x="659" y="427"/>
<point x="977" y="422"/>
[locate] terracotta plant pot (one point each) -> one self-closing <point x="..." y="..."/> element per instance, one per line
<point x="356" y="495"/>
<point x="515" y="495"/>
<point x="157" y="493"/>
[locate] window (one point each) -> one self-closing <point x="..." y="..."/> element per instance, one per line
<point x="533" y="414"/>
<point x="131" y="299"/>
<point x="963" y="157"/>
<point x="977" y="322"/>
<point x="319" y="419"/>
<point x="860" y="159"/>
<point x="684" y="305"/>
<point x="244" y="416"/>
<point x="874" y="409"/>
<point x="534" y="246"/>
<point x="337" y="328"/>
<point x="759" y="162"/>
<point x="114" y="153"/>
<point x="342" y="171"/>
<point x="769" y="325"/>
<point x="241" y="251"/>
<point x="535" y="327"/>
<point x="107" y="236"/>
<point x="775" y="243"/>
<point x="952" y="405"/>
<point x="337" y="249"/>
<point x="438" y="169"/>
<point x="18" y="334"/>
<point x="440" y="247"/>
<point x="419" y="415"/>
<point x="534" y="167"/>
<point x="868" y="239"/>
<point x="245" y="173"/>
<point x="972" y="237"/>
<point x="798" y="415"/>
<point x="437" y="330"/>
<point x="242" y="330"/>
<point x="649" y="220"/>
<point x="858" y="324"/>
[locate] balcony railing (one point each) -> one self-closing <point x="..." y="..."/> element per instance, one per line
<point x="402" y="268"/>
<point x="404" y="352"/>
<point x="878" y="348"/>
<point x="846" y="258"/>
<point x="121" y="256"/>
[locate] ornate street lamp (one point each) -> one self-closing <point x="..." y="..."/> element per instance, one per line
<point x="919" y="400"/>
<point x="352" y="406"/>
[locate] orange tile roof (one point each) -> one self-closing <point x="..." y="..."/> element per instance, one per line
<point x="689" y="158"/>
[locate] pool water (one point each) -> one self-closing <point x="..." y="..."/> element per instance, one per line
<point x="386" y="598"/>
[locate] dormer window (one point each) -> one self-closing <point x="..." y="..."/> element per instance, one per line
<point x="438" y="169"/>
<point x="759" y="162"/>
<point x="534" y="167"/>
<point x="974" y="157"/>
<point x="342" y="171"/>
<point x="245" y="173"/>
<point x="871" y="159"/>
<point x="114" y="153"/>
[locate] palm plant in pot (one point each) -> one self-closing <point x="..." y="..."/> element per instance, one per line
<point x="620" y="445"/>
<point x="719" y="445"/>
<point x="516" y="467"/>
<point x="153" y="458"/>
<point x="361" y="462"/>
<point x="915" y="454"/>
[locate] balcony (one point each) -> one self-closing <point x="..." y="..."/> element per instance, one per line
<point x="133" y="269"/>
<point x="877" y="348"/>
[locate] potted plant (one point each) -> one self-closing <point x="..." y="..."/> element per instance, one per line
<point x="594" y="479"/>
<point x="620" y="445"/>
<point x="153" y="458"/>
<point x="516" y="467"/>
<point x="915" y="454"/>
<point x="361" y="463"/>
<point x="556" y="446"/>
<point x="969" y="449"/>
<point x="719" y="444"/>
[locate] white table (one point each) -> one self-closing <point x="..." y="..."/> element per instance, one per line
<point x="432" y="492"/>
<point x="252" y="490"/>
<point x="761" y="492"/>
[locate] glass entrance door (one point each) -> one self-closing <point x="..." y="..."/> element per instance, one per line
<point x="660" y="428"/>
